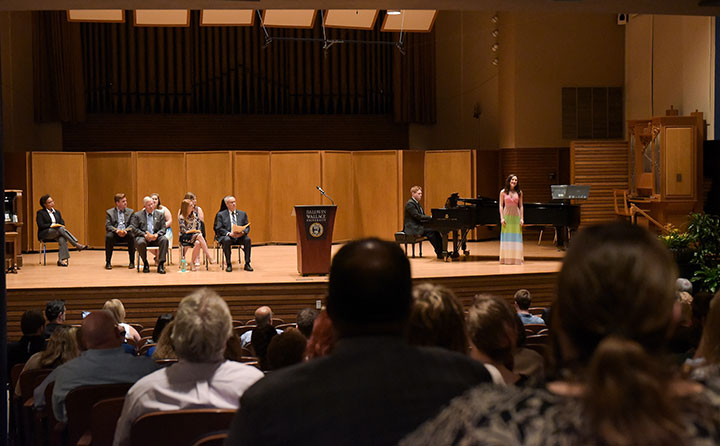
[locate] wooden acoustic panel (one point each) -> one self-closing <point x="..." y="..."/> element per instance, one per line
<point x="162" y="173"/>
<point x="447" y="172"/>
<point x="62" y="175"/>
<point x="337" y="181"/>
<point x="536" y="168"/>
<point x="209" y="177"/>
<point x="679" y="178"/>
<point x="251" y="187"/>
<point x="377" y="203"/>
<point x="602" y="165"/>
<point x="109" y="173"/>
<point x="293" y="181"/>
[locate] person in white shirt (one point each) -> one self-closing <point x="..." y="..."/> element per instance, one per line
<point x="201" y="378"/>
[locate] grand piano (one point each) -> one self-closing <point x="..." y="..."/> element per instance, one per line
<point x="461" y="215"/>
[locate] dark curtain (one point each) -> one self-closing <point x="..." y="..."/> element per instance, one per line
<point x="59" y="90"/>
<point x="414" y="80"/>
<point x="121" y="68"/>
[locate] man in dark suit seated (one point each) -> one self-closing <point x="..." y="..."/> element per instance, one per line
<point x="373" y="388"/>
<point x="118" y="230"/>
<point x="225" y="220"/>
<point x="149" y="230"/>
<point x="414" y="218"/>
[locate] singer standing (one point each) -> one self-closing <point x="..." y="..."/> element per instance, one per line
<point x="228" y="232"/>
<point x="414" y="216"/>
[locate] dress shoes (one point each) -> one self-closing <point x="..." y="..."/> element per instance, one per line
<point x="228" y="268"/>
<point x="62" y="263"/>
<point x="161" y="268"/>
<point x="131" y="266"/>
<point x="108" y="265"/>
<point x="146" y="268"/>
<point x="83" y="247"/>
<point x="248" y="267"/>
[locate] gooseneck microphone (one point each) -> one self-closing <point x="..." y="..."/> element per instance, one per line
<point x="326" y="195"/>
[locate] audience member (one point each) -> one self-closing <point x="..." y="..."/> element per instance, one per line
<point x="523" y="300"/>
<point x="286" y="349"/>
<point x="164" y="348"/>
<point x="117" y="310"/>
<point x="706" y="363"/>
<point x="437" y="319"/>
<point x="201" y="378"/>
<point x="61" y="348"/>
<point x="32" y="324"/>
<point x="527" y="362"/>
<point x="374" y="387"/>
<point x="322" y="339"/>
<point x="683" y="285"/>
<point x="162" y="321"/>
<point x="104" y="362"/>
<point x="263" y="317"/>
<point x="613" y="312"/>
<point x="305" y="320"/>
<point x="491" y="327"/>
<point x="261" y="338"/>
<point x="55" y="315"/>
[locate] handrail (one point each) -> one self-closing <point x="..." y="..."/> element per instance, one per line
<point x="636" y="210"/>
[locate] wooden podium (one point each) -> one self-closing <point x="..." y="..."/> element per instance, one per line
<point x="314" y="238"/>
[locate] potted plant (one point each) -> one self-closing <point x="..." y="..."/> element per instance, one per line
<point x="681" y="245"/>
<point x="705" y="230"/>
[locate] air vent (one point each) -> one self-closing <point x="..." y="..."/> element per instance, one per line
<point x="592" y="112"/>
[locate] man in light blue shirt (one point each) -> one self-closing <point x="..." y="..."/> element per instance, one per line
<point x="105" y="362"/>
<point x="522" y="306"/>
<point x="263" y="317"/>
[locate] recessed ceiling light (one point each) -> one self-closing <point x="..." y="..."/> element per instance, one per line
<point x="393" y="12"/>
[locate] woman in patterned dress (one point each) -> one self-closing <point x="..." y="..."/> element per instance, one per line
<point x="511" y="219"/>
<point x="191" y="232"/>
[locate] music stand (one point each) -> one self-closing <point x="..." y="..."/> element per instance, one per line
<point x="569" y="192"/>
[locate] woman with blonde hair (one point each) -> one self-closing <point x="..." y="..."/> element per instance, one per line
<point x="437" y="319"/>
<point x="61" y="348"/>
<point x="116" y="308"/>
<point x="164" y="349"/>
<point x="191" y="232"/>
<point x="614" y="312"/>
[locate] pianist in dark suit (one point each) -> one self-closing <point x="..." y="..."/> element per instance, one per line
<point x="414" y="216"/>
<point x="118" y="230"/>
<point x="51" y="226"/>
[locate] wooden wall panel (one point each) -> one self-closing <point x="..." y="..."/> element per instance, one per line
<point x="108" y="173"/>
<point x="537" y="169"/>
<point x="294" y="176"/>
<point x="62" y="175"/>
<point x="17" y="168"/>
<point x="602" y="165"/>
<point x="446" y="172"/>
<point x="251" y="187"/>
<point x="412" y="165"/>
<point x="378" y="204"/>
<point x="337" y="181"/>
<point x="489" y="181"/>
<point x="162" y="173"/>
<point x="210" y="178"/>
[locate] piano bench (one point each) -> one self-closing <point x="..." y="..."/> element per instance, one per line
<point x="405" y="239"/>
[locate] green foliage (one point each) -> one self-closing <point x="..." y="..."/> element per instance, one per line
<point x="708" y="277"/>
<point x="675" y="239"/>
<point x="705" y="231"/>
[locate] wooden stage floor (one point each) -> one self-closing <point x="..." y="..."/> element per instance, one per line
<point x="85" y="284"/>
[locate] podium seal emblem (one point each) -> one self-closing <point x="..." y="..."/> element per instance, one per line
<point x="316" y="230"/>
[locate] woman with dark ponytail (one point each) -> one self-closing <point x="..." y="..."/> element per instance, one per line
<point x="611" y="320"/>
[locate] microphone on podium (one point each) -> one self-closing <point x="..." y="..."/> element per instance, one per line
<point x="326" y="195"/>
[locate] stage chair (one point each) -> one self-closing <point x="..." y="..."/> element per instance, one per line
<point x="79" y="406"/>
<point x="184" y="246"/>
<point x="220" y="258"/>
<point x="178" y="426"/>
<point x="406" y="239"/>
<point x="103" y="420"/>
<point x="43" y="249"/>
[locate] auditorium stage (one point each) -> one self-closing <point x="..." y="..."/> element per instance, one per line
<point x="85" y="284"/>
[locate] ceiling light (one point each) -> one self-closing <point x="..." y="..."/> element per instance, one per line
<point x="393" y="12"/>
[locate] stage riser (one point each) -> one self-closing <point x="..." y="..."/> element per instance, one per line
<point x="144" y="304"/>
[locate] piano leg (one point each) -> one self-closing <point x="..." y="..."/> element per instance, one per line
<point x="561" y="232"/>
<point x="456" y="244"/>
<point x="465" y="233"/>
<point x="445" y="253"/>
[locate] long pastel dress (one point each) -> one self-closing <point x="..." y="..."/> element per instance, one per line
<point x="511" y="247"/>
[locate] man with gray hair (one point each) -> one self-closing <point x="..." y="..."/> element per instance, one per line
<point x="232" y="228"/>
<point x="202" y="378"/>
<point x="148" y="226"/>
<point x="683" y="285"/>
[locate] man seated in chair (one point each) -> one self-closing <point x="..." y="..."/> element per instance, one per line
<point x="119" y="230"/>
<point x="227" y="232"/>
<point x="202" y="378"/>
<point x="149" y="228"/>
<point x="414" y="217"/>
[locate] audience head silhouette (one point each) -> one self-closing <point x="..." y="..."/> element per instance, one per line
<point x="437" y="319"/>
<point x="370" y="289"/>
<point x="613" y="315"/>
<point x="100" y="331"/>
<point x="263" y="316"/>
<point x="203" y="325"/>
